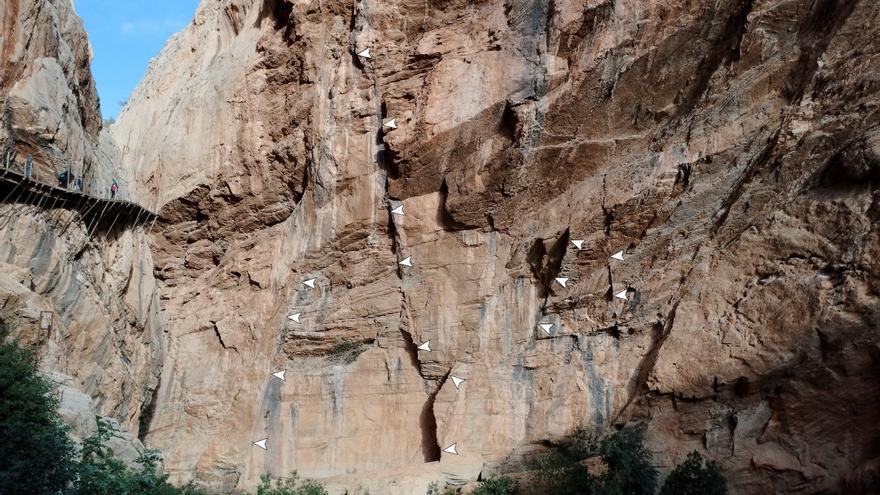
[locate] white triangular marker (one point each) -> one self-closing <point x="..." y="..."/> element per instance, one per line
<point x="457" y="381"/>
<point x="451" y="449"/>
<point x="398" y="210"/>
<point x="294" y="317"/>
<point x="391" y="124"/>
<point x="262" y="443"/>
<point x="621" y="295"/>
<point x="426" y="346"/>
<point x="562" y="281"/>
<point x="578" y="243"/>
<point x="618" y="255"/>
<point x="365" y="53"/>
<point x="407" y="261"/>
<point x="310" y="282"/>
<point x="280" y="374"/>
<point x="546" y="327"/>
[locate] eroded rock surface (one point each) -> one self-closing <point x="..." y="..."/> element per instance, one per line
<point x="80" y="292"/>
<point x="730" y="148"/>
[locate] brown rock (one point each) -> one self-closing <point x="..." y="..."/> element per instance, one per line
<point x="730" y="148"/>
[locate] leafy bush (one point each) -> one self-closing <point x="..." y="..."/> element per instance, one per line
<point x="36" y="455"/>
<point x="434" y="489"/>
<point x="629" y="464"/>
<point x="501" y="485"/>
<point x="559" y="474"/>
<point x="99" y="472"/>
<point x="347" y="351"/>
<point x="580" y="444"/>
<point x="695" y="477"/>
<point x="291" y="485"/>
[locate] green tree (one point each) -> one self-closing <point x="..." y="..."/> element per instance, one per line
<point x="99" y="472"/>
<point x="501" y="485"/>
<point x="695" y="477"/>
<point x="560" y="474"/>
<point x="35" y="452"/>
<point x="580" y="444"/>
<point x="291" y="485"/>
<point x="629" y="469"/>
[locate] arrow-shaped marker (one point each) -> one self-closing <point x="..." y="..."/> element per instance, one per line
<point x="578" y="243"/>
<point x="426" y="346"/>
<point x="562" y="281"/>
<point x="451" y="449"/>
<point x="262" y="443"/>
<point x="294" y="317"/>
<point x="546" y="327"/>
<point x="618" y="255"/>
<point x="365" y="53"/>
<point x="310" y="282"/>
<point x="280" y="374"/>
<point x="621" y="295"/>
<point x="407" y="261"/>
<point x="398" y="211"/>
<point x="391" y="124"/>
<point x="457" y="381"/>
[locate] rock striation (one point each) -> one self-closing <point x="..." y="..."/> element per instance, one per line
<point x="730" y="148"/>
<point x="80" y="290"/>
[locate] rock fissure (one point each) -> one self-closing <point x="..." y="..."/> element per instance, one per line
<point x="730" y="148"/>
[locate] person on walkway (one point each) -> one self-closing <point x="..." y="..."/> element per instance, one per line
<point x="62" y="178"/>
<point x="28" y="166"/>
<point x="113" y="188"/>
<point x="78" y="184"/>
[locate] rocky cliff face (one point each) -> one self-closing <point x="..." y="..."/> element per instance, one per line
<point x="47" y="95"/>
<point x="729" y="148"/>
<point x="92" y="287"/>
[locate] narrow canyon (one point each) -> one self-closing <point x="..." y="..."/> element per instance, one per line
<point x="727" y="151"/>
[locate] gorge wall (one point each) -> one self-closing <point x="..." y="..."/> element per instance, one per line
<point x="104" y="344"/>
<point x="730" y="148"/>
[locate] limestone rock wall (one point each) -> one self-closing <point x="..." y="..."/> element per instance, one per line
<point x="48" y="104"/>
<point x="94" y="286"/>
<point x="730" y="148"/>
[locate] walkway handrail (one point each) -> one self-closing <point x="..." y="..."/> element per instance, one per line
<point x="12" y="167"/>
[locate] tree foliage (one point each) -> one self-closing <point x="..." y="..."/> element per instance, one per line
<point x="695" y="477"/>
<point x="629" y="469"/>
<point x="36" y="455"/>
<point x="501" y="485"/>
<point x="291" y="485"/>
<point x="100" y="472"/>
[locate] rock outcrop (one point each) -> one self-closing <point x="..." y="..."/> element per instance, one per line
<point x="729" y="148"/>
<point x="84" y="294"/>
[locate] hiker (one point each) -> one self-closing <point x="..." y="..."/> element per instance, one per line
<point x="62" y="178"/>
<point x="78" y="184"/>
<point x="113" y="188"/>
<point x="28" y="166"/>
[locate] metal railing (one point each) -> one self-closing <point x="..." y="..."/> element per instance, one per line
<point x="70" y="182"/>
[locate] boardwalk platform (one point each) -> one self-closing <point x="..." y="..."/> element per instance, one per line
<point x="16" y="188"/>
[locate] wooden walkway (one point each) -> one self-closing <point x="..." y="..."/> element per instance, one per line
<point x="16" y="188"/>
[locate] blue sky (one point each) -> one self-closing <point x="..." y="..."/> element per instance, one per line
<point x="125" y="35"/>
